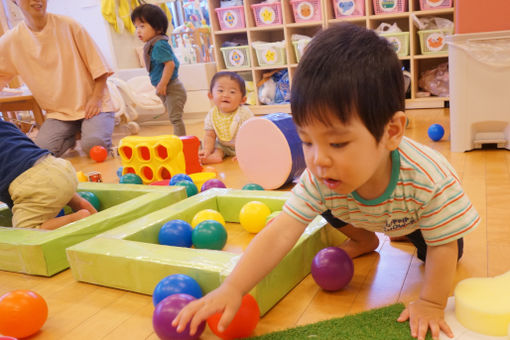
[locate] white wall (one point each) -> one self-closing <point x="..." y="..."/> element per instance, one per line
<point x="118" y="48"/>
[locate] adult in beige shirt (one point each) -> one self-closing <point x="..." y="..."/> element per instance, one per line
<point x="63" y="68"/>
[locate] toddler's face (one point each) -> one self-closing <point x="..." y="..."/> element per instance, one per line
<point x="345" y="157"/>
<point x="226" y="95"/>
<point x="144" y="31"/>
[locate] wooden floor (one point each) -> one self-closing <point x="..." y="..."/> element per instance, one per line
<point x="392" y="274"/>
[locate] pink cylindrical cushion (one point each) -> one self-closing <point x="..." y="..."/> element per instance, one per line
<point x="264" y="153"/>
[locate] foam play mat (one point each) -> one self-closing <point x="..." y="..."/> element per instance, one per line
<point x="129" y="256"/>
<point x="42" y="252"/>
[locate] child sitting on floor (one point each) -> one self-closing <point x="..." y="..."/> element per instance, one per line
<point x="36" y="185"/>
<point x="228" y="93"/>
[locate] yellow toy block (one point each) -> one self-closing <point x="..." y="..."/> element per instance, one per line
<point x="152" y="158"/>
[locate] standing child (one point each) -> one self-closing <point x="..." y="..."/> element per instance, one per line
<point x="160" y="61"/>
<point x="36" y="185"/>
<point x="228" y="93"/>
<point x="347" y="102"/>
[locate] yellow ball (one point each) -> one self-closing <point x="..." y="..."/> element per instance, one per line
<point x="253" y="216"/>
<point x="81" y="176"/>
<point x="207" y="214"/>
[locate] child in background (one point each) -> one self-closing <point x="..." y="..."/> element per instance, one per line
<point x="228" y="93"/>
<point x="36" y="185"/>
<point x="160" y="61"/>
<point x="347" y="102"/>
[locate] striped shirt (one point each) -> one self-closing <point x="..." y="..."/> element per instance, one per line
<point x="424" y="193"/>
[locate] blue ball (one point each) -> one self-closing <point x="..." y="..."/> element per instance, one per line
<point x="176" y="233"/>
<point x="179" y="177"/>
<point x="435" y="132"/>
<point x="119" y="172"/>
<point x="176" y="284"/>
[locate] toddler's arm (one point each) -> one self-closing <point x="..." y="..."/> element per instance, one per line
<point x="208" y="147"/>
<point x="263" y="254"/>
<point x="428" y="311"/>
<point x="168" y="70"/>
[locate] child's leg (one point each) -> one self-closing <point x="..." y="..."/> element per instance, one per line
<point x="360" y="241"/>
<point x="416" y="238"/>
<point x="215" y="157"/>
<point x="61" y="221"/>
<point x="174" y="102"/>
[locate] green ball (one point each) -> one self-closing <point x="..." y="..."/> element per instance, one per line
<point x="209" y="234"/>
<point x="191" y="188"/>
<point x="92" y="198"/>
<point x="131" y="179"/>
<point x="253" y="186"/>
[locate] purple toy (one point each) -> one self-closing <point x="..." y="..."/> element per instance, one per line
<point x="212" y="183"/>
<point x="164" y="314"/>
<point x="332" y="268"/>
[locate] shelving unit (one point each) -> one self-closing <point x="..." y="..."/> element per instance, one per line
<point x="415" y="62"/>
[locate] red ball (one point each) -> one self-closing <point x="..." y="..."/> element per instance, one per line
<point x="98" y="153"/>
<point x="244" y="321"/>
<point x="22" y="313"/>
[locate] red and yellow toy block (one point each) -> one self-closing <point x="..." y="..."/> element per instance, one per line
<point x="160" y="157"/>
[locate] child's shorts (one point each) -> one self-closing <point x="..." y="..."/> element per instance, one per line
<point x="42" y="191"/>
<point x="416" y="237"/>
<point x="227" y="150"/>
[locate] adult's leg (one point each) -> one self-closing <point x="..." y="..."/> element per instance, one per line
<point x="97" y="131"/>
<point x="57" y="135"/>
<point x="174" y="102"/>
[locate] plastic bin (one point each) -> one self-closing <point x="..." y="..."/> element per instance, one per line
<point x="299" y="47"/>
<point x="434" y="41"/>
<point x="306" y="10"/>
<point x="399" y="41"/>
<point x="271" y="54"/>
<point x="236" y="56"/>
<point x="348" y="8"/>
<point x="479" y="66"/>
<point x="434" y="4"/>
<point x="389" y="6"/>
<point x="231" y="18"/>
<point x="267" y="14"/>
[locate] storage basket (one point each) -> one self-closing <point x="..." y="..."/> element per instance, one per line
<point x="348" y="8"/>
<point x="306" y="10"/>
<point x="267" y="14"/>
<point x="435" y="4"/>
<point x="271" y="54"/>
<point x="299" y="47"/>
<point x="389" y="6"/>
<point x="399" y="41"/>
<point x="236" y="57"/>
<point x="433" y="41"/>
<point x="231" y="18"/>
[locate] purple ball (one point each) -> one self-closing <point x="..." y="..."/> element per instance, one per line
<point x="212" y="183"/>
<point x="332" y="268"/>
<point x="164" y="314"/>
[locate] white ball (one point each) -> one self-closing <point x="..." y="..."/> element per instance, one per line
<point x="133" y="128"/>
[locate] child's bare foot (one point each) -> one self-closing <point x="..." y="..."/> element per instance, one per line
<point x="357" y="248"/>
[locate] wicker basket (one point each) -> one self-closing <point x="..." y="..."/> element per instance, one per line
<point x="231" y="18"/>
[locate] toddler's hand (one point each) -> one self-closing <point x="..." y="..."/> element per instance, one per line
<point x="223" y="300"/>
<point x="161" y="89"/>
<point x="423" y="315"/>
<point x="93" y="107"/>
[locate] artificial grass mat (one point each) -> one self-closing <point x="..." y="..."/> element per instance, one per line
<point x="374" y="324"/>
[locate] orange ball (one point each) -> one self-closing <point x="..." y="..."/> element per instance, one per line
<point x="244" y="321"/>
<point x="98" y="153"/>
<point x="22" y="313"/>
